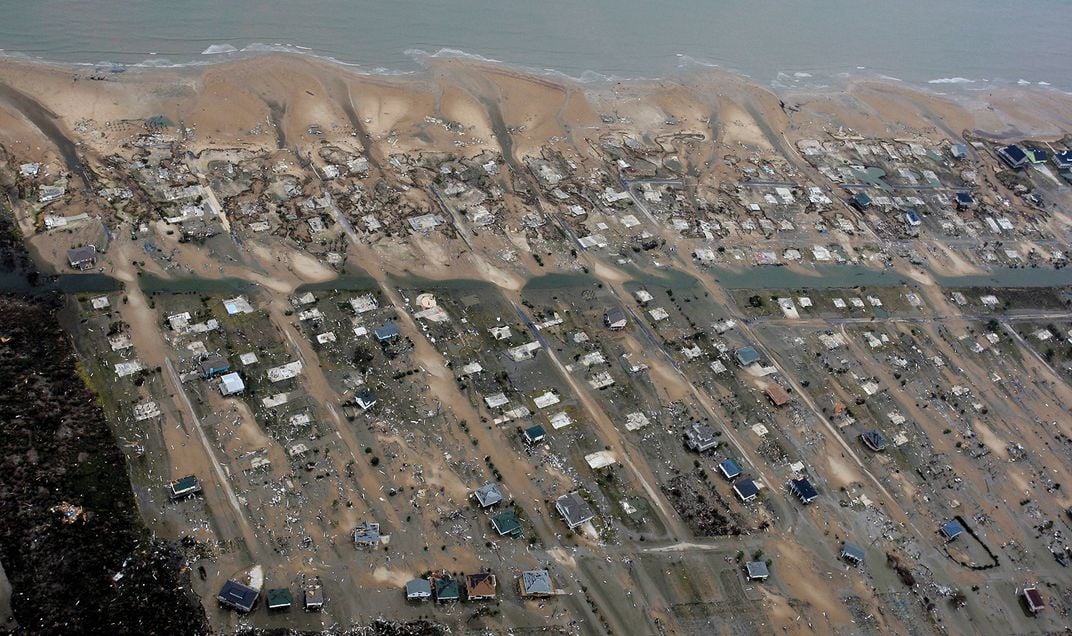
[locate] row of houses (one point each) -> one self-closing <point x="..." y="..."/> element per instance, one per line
<point x="482" y="586"/>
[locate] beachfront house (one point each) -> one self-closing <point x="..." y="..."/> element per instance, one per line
<point x="237" y="596"/>
<point x="574" y="509"/>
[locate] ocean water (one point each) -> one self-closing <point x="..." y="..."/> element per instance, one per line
<point x="966" y="44"/>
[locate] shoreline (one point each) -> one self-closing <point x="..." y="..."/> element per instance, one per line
<point x="784" y="82"/>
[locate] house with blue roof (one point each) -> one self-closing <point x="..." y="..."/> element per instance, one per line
<point x="952" y="529"/>
<point x="1013" y="156"/>
<point x="730" y="469"/>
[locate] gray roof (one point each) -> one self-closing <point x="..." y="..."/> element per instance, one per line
<point x="488" y="495"/>
<point x="700" y="437"/>
<point x="536" y="582"/>
<point x="852" y="551"/>
<point x="757" y="570"/>
<point x="82" y="254"/>
<point x="419" y="588"/>
<point x="614" y="315"/>
<point x="574" y="509"/>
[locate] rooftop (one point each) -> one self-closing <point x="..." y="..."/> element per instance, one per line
<point x="574" y="509"/>
<point x="757" y="570"/>
<point x="536" y="583"/>
<point x="488" y="495"/>
<point x="729" y="468"/>
<point x="238" y="596"/>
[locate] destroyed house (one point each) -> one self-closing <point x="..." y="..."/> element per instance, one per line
<point x="746" y="489"/>
<point x="365" y="399"/>
<point x="237" y="596"/>
<point x="535" y="583"/>
<point x="852" y="553"/>
<point x="874" y="440"/>
<point x="574" y="509"/>
<point x="488" y="495"/>
<point x="1013" y="156"/>
<point x="418" y="590"/>
<point x="184" y="487"/>
<point x="82" y="257"/>
<point x="314" y="599"/>
<point x="803" y="490"/>
<point x="367" y="535"/>
<point x="1063" y="159"/>
<point x="480" y="586"/>
<point x="700" y="438"/>
<point x="614" y="318"/>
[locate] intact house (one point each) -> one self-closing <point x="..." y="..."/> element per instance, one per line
<point x="730" y="469"/>
<point x="860" y="201"/>
<point x="746" y="489"/>
<point x="874" y="440"/>
<point x="535" y="584"/>
<point x="1063" y="159"/>
<point x="852" y="553"/>
<point x="488" y="495"/>
<point x="184" y="487"/>
<point x="964" y="200"/>
<point x="214" y="365"/>
<point x="614" y="318"/>
<point x="1034" y="601"/>
<point x="1013" y="156"/>
<point x="82" y="258"/>
<point x="506" y="524"/>
<point x="445" y="588"/>
<point x="279" y="599"/>
<point x="480" y="586"/>
<point x="534" y="434"/>
<point x="700" y="438"/>
<point x="386" y="332"/>
<point x="777" y="394"/>
<point x="803" y="490"/>
<point x="746" y="356"/>
<point x="237" y="596"/>
<point x="951" y="529"/>
<point x="231" y="384"/>
<point x="367" y="535"/>
<point x="574" y="509"/>
<point x="757" y="571"/>
<point x="418" y="590"/>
